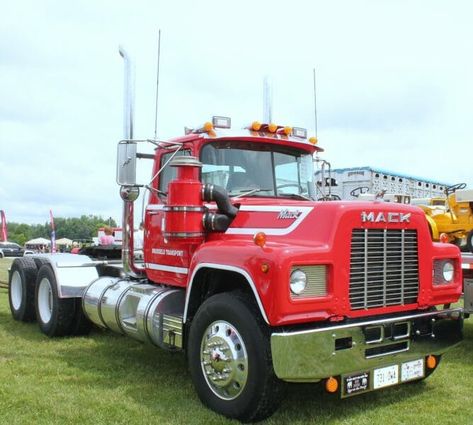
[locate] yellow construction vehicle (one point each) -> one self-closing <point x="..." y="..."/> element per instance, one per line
<point x="454" y="218"/>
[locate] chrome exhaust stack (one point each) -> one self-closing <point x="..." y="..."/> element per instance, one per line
<point x="129" y="191"/>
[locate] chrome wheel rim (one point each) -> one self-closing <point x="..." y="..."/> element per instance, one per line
<point x="224" y="360"/>
<point x="16" y="290"/>
<point x="45" y="300"/>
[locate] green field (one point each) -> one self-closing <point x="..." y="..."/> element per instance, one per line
<point x="108" y="379"/>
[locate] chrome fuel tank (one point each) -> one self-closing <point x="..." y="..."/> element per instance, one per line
<point x="146" y="312"/>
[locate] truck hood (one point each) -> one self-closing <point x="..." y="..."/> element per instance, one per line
<point x="302" y="220"/>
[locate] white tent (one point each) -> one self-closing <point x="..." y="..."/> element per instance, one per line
<point x="38" y="241"/>
<point x="64" y="241"/>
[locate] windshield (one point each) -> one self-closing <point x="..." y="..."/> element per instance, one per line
<point x="254" y="169"/>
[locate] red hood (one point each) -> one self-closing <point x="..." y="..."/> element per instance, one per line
<point x="296" y="220"/>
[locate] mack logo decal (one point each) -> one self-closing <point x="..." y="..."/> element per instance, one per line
<point x="289" y="214"/>
<point x="381" y="217"/>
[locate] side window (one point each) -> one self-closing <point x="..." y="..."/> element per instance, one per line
<point x="169" y="173"/>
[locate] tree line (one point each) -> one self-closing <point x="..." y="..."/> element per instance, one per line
<point x="75" y="228"/>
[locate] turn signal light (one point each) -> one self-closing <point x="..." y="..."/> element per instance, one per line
<point x="444" y="238"/>
<point x="208" y="126"/>
<point x="331" y="385"/>
<point x="256" y="126"/>
<point x="431" y="362"/>
<point x="260" y="239"/>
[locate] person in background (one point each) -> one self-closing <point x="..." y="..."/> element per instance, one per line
<point x="108" y="238"/>
<point x="75" y="248"/>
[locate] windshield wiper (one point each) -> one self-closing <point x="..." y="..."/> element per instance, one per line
<point x="294" y="196"/>
<point x="247" y="192"/>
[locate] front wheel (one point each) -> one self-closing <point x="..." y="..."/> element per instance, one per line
<point x="230" y="361"/>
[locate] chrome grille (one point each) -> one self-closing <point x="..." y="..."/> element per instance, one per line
<point x="384" y="268"/>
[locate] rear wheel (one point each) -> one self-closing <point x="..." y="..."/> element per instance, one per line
<point x="230" y="360"/>
<point x="21" y="289"/>
<point x="55" y="315"/>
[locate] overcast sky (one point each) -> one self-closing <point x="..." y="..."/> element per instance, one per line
<point x="394" y="86"/>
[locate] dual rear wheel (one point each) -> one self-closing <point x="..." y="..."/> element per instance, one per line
<point x="33" y="295"/>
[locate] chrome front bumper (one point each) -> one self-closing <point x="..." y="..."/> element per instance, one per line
<point x="318" y="353"/>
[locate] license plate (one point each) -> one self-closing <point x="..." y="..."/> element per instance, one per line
<point x="412" y="370"/>
<point x="357" y="383"/>
<point x="385" y="376"/>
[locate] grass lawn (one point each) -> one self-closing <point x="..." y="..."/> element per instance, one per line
<point x="108" y="379"/>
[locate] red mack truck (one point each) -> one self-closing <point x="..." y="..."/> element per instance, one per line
<point x="258" y="283"/>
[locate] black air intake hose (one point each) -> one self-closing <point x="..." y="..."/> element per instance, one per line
<point x="216" y="222"/>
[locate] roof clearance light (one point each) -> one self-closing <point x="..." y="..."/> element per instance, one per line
<point x="256" y="126"/>
<point x="208" y="126"/>
<point x="313" y="140"/>
<point x="287" y="131"/>
<point x="299" y="132"/>
<point x="222" y="122"/>
<point x="272" y="128"/>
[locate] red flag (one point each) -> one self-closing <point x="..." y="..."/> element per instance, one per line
<point x="53" y="233"/>
<point x="4" y="226"/>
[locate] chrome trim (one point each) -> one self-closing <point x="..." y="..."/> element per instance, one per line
<point x="183" y="209"/>
<point x="183" y="234"/>
<point x="431" y="333"/>
<point x="239" y="270"/>
<point x="166" y="268"/>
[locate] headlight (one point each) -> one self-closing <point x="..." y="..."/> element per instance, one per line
<point x="448" y="271"/>
<point x="298" y="281"/>
<point x="444" y="272"/>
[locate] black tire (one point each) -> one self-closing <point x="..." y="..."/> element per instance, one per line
<point x="80" y="325"/>
<point x="21" y="289"/>
<point x="54" y="315"/>
<point x="469" y="241"/>
<point x="248" y="399"/>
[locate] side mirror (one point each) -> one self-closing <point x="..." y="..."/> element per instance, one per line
<point x="126" y="163"/>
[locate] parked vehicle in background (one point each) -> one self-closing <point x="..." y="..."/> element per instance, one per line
<point x="10" y="249"/>
<point x="454" y="218"/>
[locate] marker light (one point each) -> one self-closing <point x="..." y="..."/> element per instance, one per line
<point x="431" y="362"/>
<point x="208" y="126"/>
<point x="313" y="140"/>
<point x="331" y="385"/>
<point x="256" y="126"/>
<point x="299" y="132"/>
<point x="264" y="268"/>
<point x="260" y="239"/>
<point x="272" y="128"/>
<point x="444" y="238"/>
<point x="221" y="122"/>
<point x="287" y="131"/>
